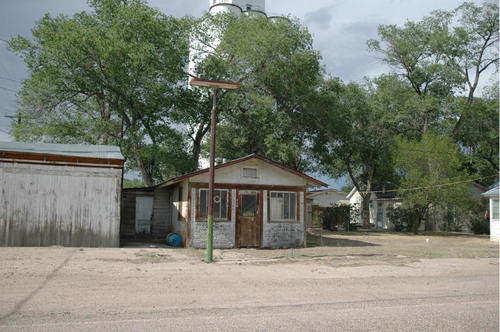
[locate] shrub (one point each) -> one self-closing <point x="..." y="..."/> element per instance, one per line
<point x="336" y="216"/>
<point x="480" y="226"/>
<point x="402" y="218"/>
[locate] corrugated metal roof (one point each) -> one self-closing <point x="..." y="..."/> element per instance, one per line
<point x="495" y="192"/>
<point x="76" y="150"/>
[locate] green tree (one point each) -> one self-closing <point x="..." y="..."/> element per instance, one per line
<point x="350" y="136"/>
<point x="479" y="136"/>
<point x="443" y="52"/>
<point x="112" y="76"/>
<point x="432" y="175"/>
<point x="407" y="50"/>
<point x="437" y="64"/>
<point x="471" y="48"/>
<point x="278" y="68"/>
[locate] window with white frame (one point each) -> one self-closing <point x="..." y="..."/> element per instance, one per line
<point x="283" y="206"/>
<point x="495" y="214"/>
<point x="221" y="199"/>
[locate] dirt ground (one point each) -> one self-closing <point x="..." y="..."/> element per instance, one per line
<point x="358" y="281"/>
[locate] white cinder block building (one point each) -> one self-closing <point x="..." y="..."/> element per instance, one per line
<point x="258" y="203"/>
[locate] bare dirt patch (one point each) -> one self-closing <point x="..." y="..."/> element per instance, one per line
<point x="60" y="288"/>
<point x="364" y="248"/>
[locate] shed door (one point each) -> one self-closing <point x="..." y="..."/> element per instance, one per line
<point x="380" y="215"/>
<point x="248" y="223"/>
<point x="143" y="214"/>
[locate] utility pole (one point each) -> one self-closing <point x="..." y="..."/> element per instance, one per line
<point x="214" y="85"/>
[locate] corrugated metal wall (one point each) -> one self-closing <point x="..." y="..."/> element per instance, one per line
<point x="43" y="205"/>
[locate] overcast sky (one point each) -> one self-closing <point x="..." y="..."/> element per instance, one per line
<point x="340" y="29"/>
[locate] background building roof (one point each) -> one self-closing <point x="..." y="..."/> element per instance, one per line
<point x="74" y="150"/>
<point x="494" y="192"/>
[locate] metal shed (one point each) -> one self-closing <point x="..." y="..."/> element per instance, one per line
<point x="60" y="194"/>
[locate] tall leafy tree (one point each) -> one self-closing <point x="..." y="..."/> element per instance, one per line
<point x="471" y="48"/>
<point x="479" y="135"/>
<point x="438" y="64"/>
<point x="442" y="53"/>
<point x="351" y="136"/>
<point x="278" y="68"/>
<point x="109" y="76"/>
<point x="407" y="50"/>
<point x="432" y="174"/>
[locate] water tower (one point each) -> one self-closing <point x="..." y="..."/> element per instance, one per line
<point x="238" y="7"/>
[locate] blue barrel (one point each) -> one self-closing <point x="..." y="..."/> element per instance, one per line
<point x="174" y="240"/>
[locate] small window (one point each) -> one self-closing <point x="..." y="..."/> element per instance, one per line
<point x="249" y="6"/>
<point x="283" y="206"/>
<point x="220" y="204"/>
<point x="248" y="205"/>
<point x="250" y="173"/>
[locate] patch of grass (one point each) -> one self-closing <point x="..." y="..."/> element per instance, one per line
<point x="198" y="253"/>
<point x="102" y="259"/>
<point x="149" y="257"/>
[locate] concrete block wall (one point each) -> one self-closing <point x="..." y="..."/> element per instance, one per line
<point x="283" y="234"/>
<point x="224" y="232"/>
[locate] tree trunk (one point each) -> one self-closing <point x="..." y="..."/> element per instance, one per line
<point x="416" y="225"/>
<point x="365" y="210"/>
<point x="422" y="212"/>
<point x="146" y="175"/>
<point x="460" y="122"/>
<point x="200" y="133"/>
<point x="366" y="198"/>
<point x="426" y="123"/>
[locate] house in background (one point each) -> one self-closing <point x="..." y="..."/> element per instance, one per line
<point x="317" y="200"/>
<point x="494" y="197"/>
<point x="381" y="201"/>
<point x="258" y="203"/>
<point x="60" y="194"/>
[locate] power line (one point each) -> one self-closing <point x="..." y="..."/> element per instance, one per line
<point x="424" y="151"/>
<point x="429" y="187"/>
<point x="7" y="89"/>
<point x="10" y="79"/>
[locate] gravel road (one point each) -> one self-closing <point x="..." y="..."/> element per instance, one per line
<point x="132" y="289"/>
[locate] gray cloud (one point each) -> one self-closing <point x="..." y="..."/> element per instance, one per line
<point x="321" y="17"/>
<point x="345" y="53"/>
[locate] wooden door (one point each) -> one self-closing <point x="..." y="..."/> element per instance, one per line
<point x="248" y="219"/>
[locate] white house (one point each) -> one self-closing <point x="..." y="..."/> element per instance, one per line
<point x="323" y="198"/>
<point x="327" y="197"/>
<point x="493" y="195"/>
<point x="380" y="203"/>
